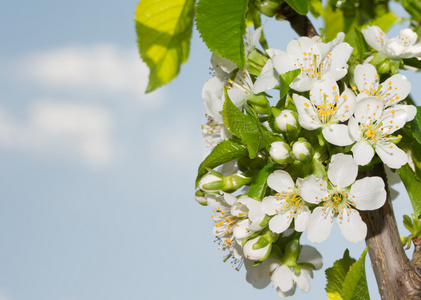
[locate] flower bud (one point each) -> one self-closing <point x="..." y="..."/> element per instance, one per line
<point x="200" y="197"/>
<point x="287" y="121"/>
<point x="256" y="255"/>
<point x="215" y="182"/>
<point x="302" y="150"/>
<point x="279" y="152"/>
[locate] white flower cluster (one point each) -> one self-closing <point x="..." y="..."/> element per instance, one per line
<point x="328" y="126"/>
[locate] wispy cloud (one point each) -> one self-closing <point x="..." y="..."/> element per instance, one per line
<point x="99" y="69"/>
<point x="60" y="129"/>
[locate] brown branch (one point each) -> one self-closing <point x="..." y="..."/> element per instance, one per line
<point x="301" y="24"/>
<point x="397" y="277"/>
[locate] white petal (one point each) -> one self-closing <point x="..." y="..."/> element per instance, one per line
<point x="241" y="231"/>
<point x="368" y="193"/>
<point x="337" y="134"/>
<point x="306" y="113"/>
<point x="271" y="205"/>
<point x="374" y="36"/>
<point x="352" y="227"/>
<point x="368" y="110"/>
<point x="311" y="255"/>
<point x="282" y="294"/>
<point x="258" y="276"/>
<point x="346" y="105"/>
<point x="319" y="225"/>
<point x="395" y="89"/>
<point x="354" y="129"/>
<point x="267" y="79"/>
<point x="229" y="198"/>
<point x="283" y="62"/>
<point x="411" y="111"/>
<point x="280" y="181"/>
<point x="302" y="282"/>
<point x="343" y="170"/>
<point x="281" y="222"/>
<point x="222" y="65"/>
<point x="313" y="189"/>
<point x="303" y="83"/>
<point x="282" y="278"/>
<point x="366" y="78"/>
<point x="391" y="155"/>
<point x="301" y="219"/>
<point x="339" y="58"/>
<point x="362" y="152"/>
<point x="256" y="213"/>
<point x="237" y="96"/>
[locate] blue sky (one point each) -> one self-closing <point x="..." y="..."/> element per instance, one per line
<point x="97" y="178"/>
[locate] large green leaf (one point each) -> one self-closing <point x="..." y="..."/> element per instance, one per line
<point x="413" y="187"/>
<point x="286" y="79"/>
<point x="355" y="283"/>
<point x="246" y="127"/>
<point x="300" y="6"/>
<point x="336" y="276"/>
<point x="222" y="24"/>
<point x="164" y="29"/>
<point x="224" y="152"/>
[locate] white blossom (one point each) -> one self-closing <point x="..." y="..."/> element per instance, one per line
<point x="315" y="59"/>
<point x="402" y="46"/>
<point x="372" y="129"/>
<point x="340" y="199"/>
<point x="284" y="279"/>
<point x="325" y="109"/>
<point x="286" y="205"/>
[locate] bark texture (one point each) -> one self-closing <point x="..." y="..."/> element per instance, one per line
<point x="397" y="276"/>
<point x="301" y="24"/>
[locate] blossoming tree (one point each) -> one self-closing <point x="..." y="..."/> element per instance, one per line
<point x="299" y="138"/>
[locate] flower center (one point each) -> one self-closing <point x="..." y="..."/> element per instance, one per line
<point x="292" y="202"/>
<point x="338" y="202"/>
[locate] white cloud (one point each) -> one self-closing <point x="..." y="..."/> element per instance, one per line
<point x="60" y="129"/>
<point x="101" y="69"/>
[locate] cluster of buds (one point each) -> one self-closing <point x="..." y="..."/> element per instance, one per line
<point x="290" y="168"/>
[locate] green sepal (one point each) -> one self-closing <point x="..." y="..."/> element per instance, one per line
<point x="264" y="223"/>
<point x="255" y="62"/>
<point x="224" y="152"/>
<point x="291" y="253"/>
<point x="266" y="237"/>
<point x="259" y="184"/>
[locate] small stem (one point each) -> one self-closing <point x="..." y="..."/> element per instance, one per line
<point x="301" y="24"/>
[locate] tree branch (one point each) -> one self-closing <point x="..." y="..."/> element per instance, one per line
<point x="397" y="277"/>
<point x="301" y="24"/>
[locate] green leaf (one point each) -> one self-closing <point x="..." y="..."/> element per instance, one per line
<point x="224" y="152"/>
<point x="384" y="21"/>
<point x="413" y="187"/>
<point x="336" y="275"/>
<point x="164" y="29"/>
<point x="361" y="46"/>
<point x="222" y="25"/>
<point x="300" y="6"/>
<point x="416" y="125"/>
<point x="355" y="284"/>
<point x="316" y="7"/>
<point x="245" y="127"/>
<point x="412" y="62"/>
<point x="286" y="79"/>
<point x="258" y="187"/>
